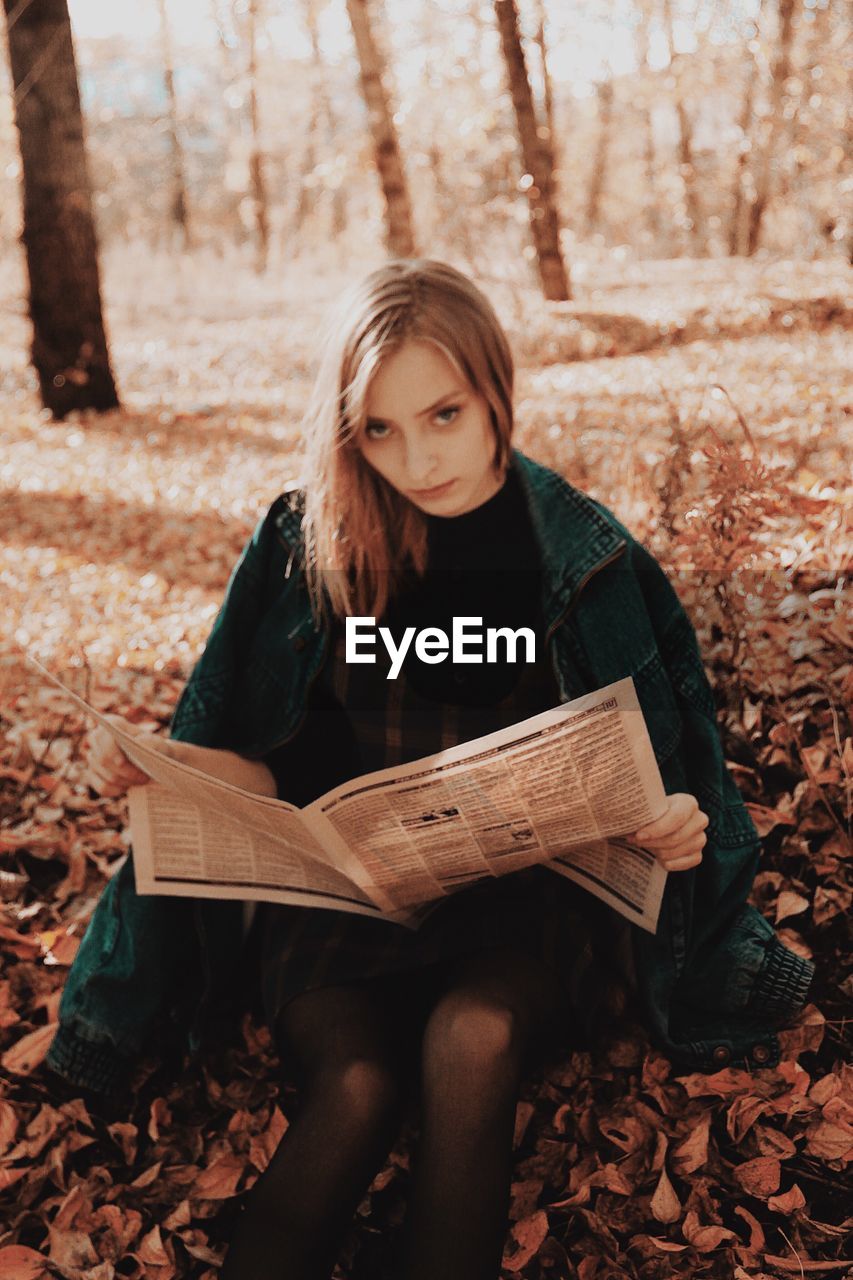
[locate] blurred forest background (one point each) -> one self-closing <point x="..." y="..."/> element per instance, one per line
<point x="663" y="116"/>
<point x="656" y="194"/>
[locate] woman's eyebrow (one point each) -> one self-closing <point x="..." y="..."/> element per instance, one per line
<point x="457" y="391"/>
<point x="423" y="413"/>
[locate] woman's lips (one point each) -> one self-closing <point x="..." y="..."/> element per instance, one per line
<point x="435" y="492"/>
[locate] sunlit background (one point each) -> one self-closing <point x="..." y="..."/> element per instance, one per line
<point x="632" y="83"/>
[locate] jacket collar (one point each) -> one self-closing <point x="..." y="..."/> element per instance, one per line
<point x="575" y="537"/>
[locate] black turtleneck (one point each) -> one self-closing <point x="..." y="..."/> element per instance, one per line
<point x="484" y="563"/>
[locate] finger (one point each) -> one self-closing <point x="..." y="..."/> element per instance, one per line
<point x="101" y="745"/>
<point x="683" y="864"/>
<point x="692" y="834"/>
<point x="119" y="722"/>
<point x="105" y="752"/>
<point x="681" y="809"/>
<point x="115" y="781"/>
<point x="109" y="763"/>
<point x="691" y="850"/>
<point x="104" y="787"/>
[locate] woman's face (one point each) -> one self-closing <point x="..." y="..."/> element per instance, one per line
<point x="428" y="433"/>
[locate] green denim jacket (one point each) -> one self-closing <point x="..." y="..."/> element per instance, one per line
<point x="715" y="981"/>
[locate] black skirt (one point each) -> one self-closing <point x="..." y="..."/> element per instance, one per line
<point x="537" y="911"/>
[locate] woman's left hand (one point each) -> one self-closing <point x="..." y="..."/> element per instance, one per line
<point x="677" y="837"/>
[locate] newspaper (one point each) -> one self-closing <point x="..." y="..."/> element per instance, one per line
<point x="561" y="789"/>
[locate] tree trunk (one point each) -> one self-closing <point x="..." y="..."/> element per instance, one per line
<point x="230" y="70"/>
<point x="537" y="158"/>
<point x="69" y="348"/>
<point x="745" y="126"/>
<point x="547" y="82"/>
<point x="763" y="176"/>
<point x="179" y="211"/>
<point x="602" y="150"/>
<point x="305" y="204"/>
<point x="321" y="110"/>
<point x="686" y="167"/>
<point x="399" y="223"/>
<point x="256" y="158"/>
<point x="652" y="213"/>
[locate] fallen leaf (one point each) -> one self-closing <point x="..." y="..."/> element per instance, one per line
<point x="772" y="1142"/>
<point x="263" y="1146"/>
<point x="704" y="1239"/>
<point x="8" y="1126"/>
<point x="788" y="1202"/>
<point x="665" y="1204"/>
<point x="790" y="904"/>
<point x="692" y="1152"/>
<point x="220" y="1179"/>
<point x="766" y="818"/>
<point x="28" y="1052"/>
<point x="759" y="1177"/>
<point x="524" y="1241"/>
<point x="756" y="1231"/>
<point x="828" y="1141"/>
<point x="17" y="1262"/>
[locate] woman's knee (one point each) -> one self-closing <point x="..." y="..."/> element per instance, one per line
<point x="322" y="1031"/>
<point x="473" y="1036"/>
<point x="366" y="1093"/>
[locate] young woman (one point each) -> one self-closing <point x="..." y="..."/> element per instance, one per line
<point x="415" y="510"/>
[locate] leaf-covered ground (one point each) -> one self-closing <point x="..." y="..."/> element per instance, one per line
<point x="707" y="405"/>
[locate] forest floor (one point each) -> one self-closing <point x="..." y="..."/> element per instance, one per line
<point x="708" y="405"/>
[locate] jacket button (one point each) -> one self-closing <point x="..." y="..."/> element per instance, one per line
<point x="299" y="643"/>
<point x="721" y="1055"/>
<point x="761" y="1052"/>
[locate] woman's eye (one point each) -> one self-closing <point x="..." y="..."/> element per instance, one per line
<point x="375" y="430"/>
<point x="451" y="409"/>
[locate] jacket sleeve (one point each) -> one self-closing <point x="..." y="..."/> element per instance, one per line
<point x="202" y="711"/>
<point x="734" y="959"/>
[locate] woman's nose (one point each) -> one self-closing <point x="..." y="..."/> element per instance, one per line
<point x="421" y="462"/>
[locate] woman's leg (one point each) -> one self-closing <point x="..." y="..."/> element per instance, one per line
<point x="347" y="1047"/>
<point x="497" y="1010"/>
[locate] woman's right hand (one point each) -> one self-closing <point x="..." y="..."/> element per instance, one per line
<point x="109" y="772"/>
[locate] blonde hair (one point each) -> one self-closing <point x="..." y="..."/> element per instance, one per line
<point x="359" y="532"/>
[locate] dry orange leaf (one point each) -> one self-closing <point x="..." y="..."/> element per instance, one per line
<point x="263" y="1145"/>
<point x="704" y="1239"/>
<point x="759" y="1177"/>
<point x="828" y="1141"/>
<point x="790" y="904"/>
<point x="766" y="818"/>
<point x="17" y="1262"/>
<point x="788" y="1202"/>
<point x="220" y="1179"/>
<point x="665" y="1204"/>
<point x="525" y="1240"/>
<point x="152" y="1250"/>
<point x="26" y="1054"/>
<point x="692" y="1152"/>
<point x="8" y="1126"/>
<point x="8" y="1178"/>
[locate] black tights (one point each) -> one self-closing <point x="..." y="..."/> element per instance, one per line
<point x="479" y="1024"/>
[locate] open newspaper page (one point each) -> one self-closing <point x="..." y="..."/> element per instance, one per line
<point x="561" y="788"/>
<point x="194" y="849"/>
<point x="196" y="836"/>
